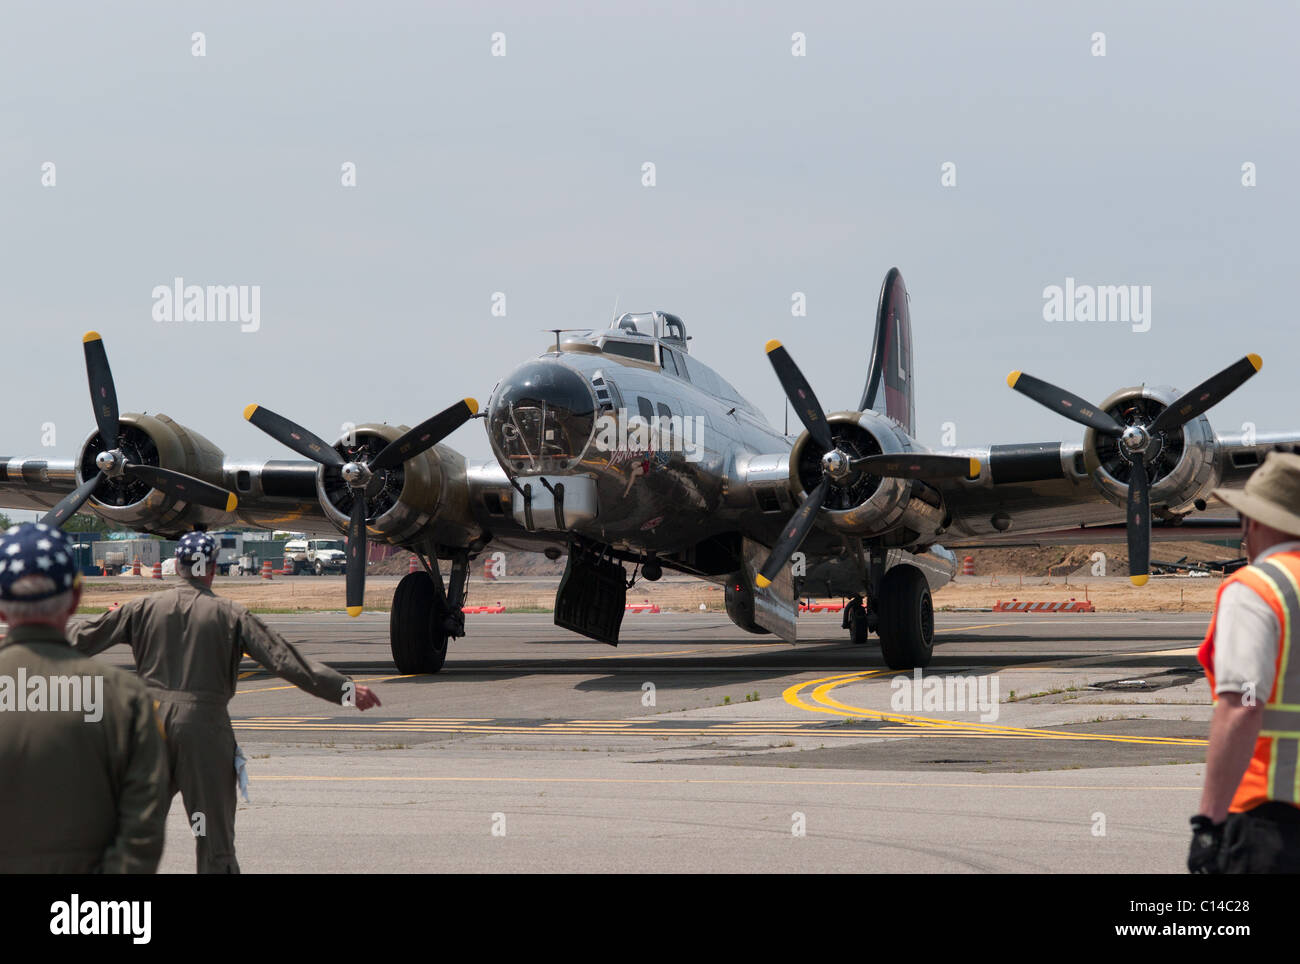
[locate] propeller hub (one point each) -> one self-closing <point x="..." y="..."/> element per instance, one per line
<point x="356" y="474"/>
<point x="1136" y="439"/>
<point x="836" y="465"/>
<point x="111" y="463"/>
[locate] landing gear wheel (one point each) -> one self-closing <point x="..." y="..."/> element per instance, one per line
<point x="416" y="627"/>
<point x="906" y="618"/>
<point x="855" y="618"/>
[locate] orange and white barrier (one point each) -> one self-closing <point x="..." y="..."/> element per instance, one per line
<point x="1016" y="606"/>
<point x="642" y="607"/>
<point x="820" y="607"/>
<point x="968" y="566"/>
<point x="498" y="608"/>
<point x="266" y="568"/>
<point x="157" y="571"/>
<point x="135" y="566"/>
<point x="414" y="565"/>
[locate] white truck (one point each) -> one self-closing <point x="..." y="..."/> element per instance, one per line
<point x="317" y="556"/>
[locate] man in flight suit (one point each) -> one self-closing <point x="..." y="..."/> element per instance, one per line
<point x="83" y="772"/>
<point x="188" y="643"/>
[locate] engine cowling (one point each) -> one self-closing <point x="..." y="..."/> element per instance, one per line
<point x="427" y="490"/>
<point x="1183" y="470"/>
<point x="152" y="440"/>
<point x="867" y="504"/>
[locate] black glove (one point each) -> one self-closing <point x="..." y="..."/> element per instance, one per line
<point x="1207" y="836"/>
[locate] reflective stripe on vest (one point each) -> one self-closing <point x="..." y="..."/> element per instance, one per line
<point x="1281" y="721"/>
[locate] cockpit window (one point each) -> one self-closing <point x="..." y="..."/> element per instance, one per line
<point x="542" y="418"/>
<point x="641" y="351"/>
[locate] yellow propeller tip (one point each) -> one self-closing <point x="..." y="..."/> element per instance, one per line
<point x="761" y="581"/>
<point x="94" y="336"/>
<point x="1012" y="379"/>
<point x="249" y="410"/>
<point x="231" y="502"/>
<point x="472" y="405"/>
<point x="1255" y="360"/>
<point x="974" y="468"/>
<point x="771" y="346"/>
<point x="354" y="611"/>
<point x="1138" y="580"/>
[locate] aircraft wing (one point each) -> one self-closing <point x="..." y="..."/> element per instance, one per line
<point x="1053" y="493"/>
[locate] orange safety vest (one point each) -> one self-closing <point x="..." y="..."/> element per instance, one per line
<point x="1275" y="768"/>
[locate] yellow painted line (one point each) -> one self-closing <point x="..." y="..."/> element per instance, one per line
<point x="294" y="778"/>
<point x="832" y="706"/>
<point x="372" y="679"/>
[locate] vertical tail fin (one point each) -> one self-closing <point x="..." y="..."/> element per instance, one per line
<point x="889" y="379"/>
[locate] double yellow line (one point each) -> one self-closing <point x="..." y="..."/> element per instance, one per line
<point x="908" y="724"/>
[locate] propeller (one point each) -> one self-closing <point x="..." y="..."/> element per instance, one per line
<point x="839" y="468"/>
<point x="362" y="476"/>
<point x="112" y="462"/>
<point x="1141" y="442"/>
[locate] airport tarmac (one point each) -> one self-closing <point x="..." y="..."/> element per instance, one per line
<point x="694" y="746"/>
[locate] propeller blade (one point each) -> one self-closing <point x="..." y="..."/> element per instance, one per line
<point x="71" y="502"/>
<point x="800" y="394"/>
<point x="103" y="396"/>
<point x="184" y="487"/>
<point x="1139" y="526"/>
<point x="1207" y="394"/>
<point x="919" y="466"/>
<point x="356" y="575"/>
<point x="425" y="435"/>
<point x="294" y="436"/>
<point x="1065" y="403"/>
<point x="792" y="537"/>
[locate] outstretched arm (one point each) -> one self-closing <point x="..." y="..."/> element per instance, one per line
<point x="282" y="658"/>
<point x="93" y="636"/>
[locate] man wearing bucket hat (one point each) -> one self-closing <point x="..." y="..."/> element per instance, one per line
<point x="1249" y="820"/>
<point x="187" y="644"/>
<point x="84" y="771"/>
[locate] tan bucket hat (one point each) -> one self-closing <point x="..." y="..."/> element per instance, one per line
<point x="1271" y="494"/>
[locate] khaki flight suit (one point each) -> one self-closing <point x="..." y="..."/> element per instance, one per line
<point x="77" y="796"/>
<point x="188" y="642"/>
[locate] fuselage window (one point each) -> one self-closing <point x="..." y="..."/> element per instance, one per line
<point x="666" y="440"/>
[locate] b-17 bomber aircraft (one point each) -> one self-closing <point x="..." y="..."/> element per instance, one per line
<point x="619" y="448"/>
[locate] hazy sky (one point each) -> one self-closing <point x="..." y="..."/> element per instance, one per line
<point x="522" y="174"/>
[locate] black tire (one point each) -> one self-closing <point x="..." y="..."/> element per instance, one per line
<point x="906" y="618"/>
<point x="858" y="625"/>
<point x="416" y="633"/>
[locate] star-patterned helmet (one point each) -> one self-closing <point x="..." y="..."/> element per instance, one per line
<point x="194" y="546"/>
<point x="36" y="562"/>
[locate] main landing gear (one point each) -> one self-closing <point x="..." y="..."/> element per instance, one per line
<point x="901" y="612"/>
<point x="427" y="615"/>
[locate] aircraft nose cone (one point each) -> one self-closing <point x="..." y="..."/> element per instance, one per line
<point x="541" y="418"/>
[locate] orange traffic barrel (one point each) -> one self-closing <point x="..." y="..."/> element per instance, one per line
<point x="266" y="568"/>
<point x="156" y="573"/>
<point x="968" y="566"/>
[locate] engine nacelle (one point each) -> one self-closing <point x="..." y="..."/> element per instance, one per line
<point x="1185" y="465"/>
<point x="152" y="440"/>
<point x="402" y="502"/>
<point x="867" y="504"/>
